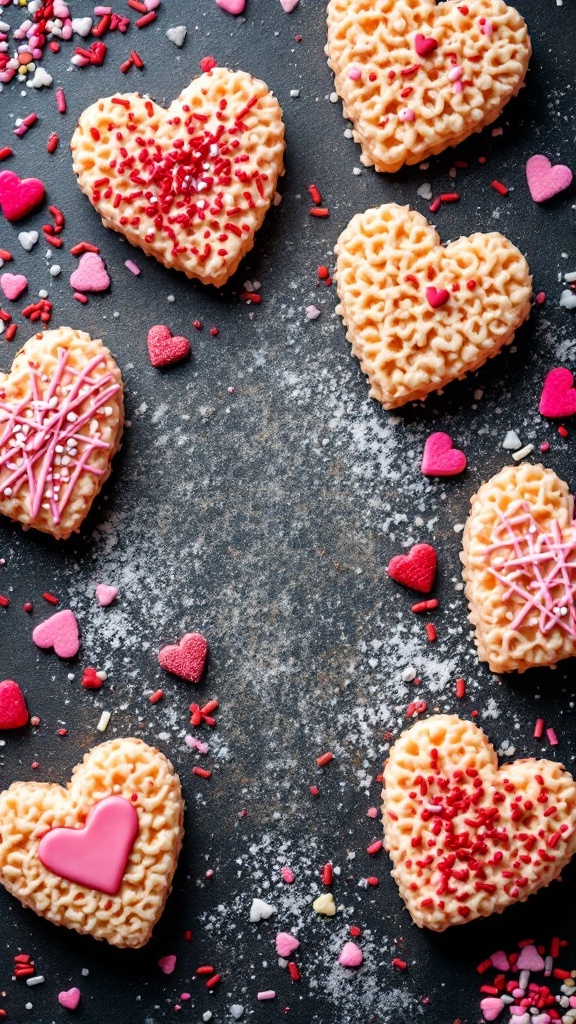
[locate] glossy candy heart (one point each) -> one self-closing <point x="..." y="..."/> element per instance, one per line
<point x="165" y="348"/>
<point x="440" y="458"/>
<point x="19" y="196"/>
<point x="558" y="397"/>
<point x="546" y="180"/>
<point x="416" y="570"/>
<point x="186" y="659"/>
<point x="13" y="710"/>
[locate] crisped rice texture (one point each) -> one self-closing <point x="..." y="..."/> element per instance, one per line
<point x="513" y="491"/>
<point x="376" y="37"/>
<point x="19" y="390"/>
<point x="121" y="767"/>
<point x="494" y="836"/>
<point x="387" y="257"/>
<point x="107" y="158"/>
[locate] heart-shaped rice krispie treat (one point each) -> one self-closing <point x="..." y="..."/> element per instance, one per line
<point x="519" y="556"/>
<point x="98" y="856"/>
<point x="466" y="838"/>
<point x="416" y="77"/>
<point x="418" y="314"/>
<point x="189" y="185"/>
<point x="61" y="419"/>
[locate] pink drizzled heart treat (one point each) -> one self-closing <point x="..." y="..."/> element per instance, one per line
<point x="70" y="998"/>
<point x="13" y="710"/>
<point x="440" y="458"/>
<point x="90" y="274"/>
<point x="186" y="659"/>
<point x="105" y="594"/>
<point x="96" y="855"/>
<point x="416" y="570"/>
<point x="558" y="397"/>
<point x="13" y="285"/>
<point x="19" y="196"/>
<point x="61" y="632"/>
<point x="546" y="180"/>
<point x="165" y="348"/>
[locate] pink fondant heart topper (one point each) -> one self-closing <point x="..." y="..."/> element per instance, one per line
<point x="61" y="632"/>
<point x="440" y="458"/>
<point x="13" y="711"/>
<point x="437" y="297"/>
<point x="19" y="196"/>
<point x="558" y="397"/>
<point x="165" y="348"/>
<point x="546" y="180"/>
<point x="13" y="285"/>
<point x="90" y="274"/>
<point x="186" y="659"/>
<point x="94" y="856"/>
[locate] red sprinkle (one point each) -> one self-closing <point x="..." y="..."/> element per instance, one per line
<point x="61" y="100"/>
<point x="53" y="140"/>
<point x="449" y="197"/>
<point x="202" y="772"/>
<point x="425" y="606"/>
<point x="4" y="601"/>
<point x="6" y="152"/>
<point x="293" y="971"/>
<point x="146" y="20"/>
<point x="10" y="332"/>
<point x="400" y="964"/>
<point x="324" y="759"/>
<point x="137" y="59"/>
<point x="51" y="598"/>
<point x="327" y="874"/>
<point x="28" y="607"/>
<point x="314" y="790"/>
<point x="460" y="688"/>
<point x="435" y="205"/>
<point x="431" y="631"/>
<point x="205" y="969"/>
<point x="156" y="696"/>
<point x="207" y="63"/>
<point x="562" y="431"/>
<point x="81" y="247"/>
<point x="319" y="211"/>
<point x="213" y="981"/>
<point x="375" y="847"/>
<point x="314" y="193"/>
<point x="500" y="188"/>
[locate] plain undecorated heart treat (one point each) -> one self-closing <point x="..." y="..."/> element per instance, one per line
<point x="98" y="856"/>
<point x="416" y="77"/>
<point x="61" y="418"/>
<point x="440" y="458"/>
<point x="61" y="632"/>
<point x="19" y="196"/>
<point x="416" y="570"/>
<point x="164" y="348"/>
<point x="13" y="710"/>
<point x="186" y="659"/>
<point x="387" y="260"/>
<point x="13" y="285"/>
<point x="189" y="185"/>
<point x="467" y="839"/>
<point x="546" y="180"/>
<point x="90" y="274"/>
<point x="519" y="557"/>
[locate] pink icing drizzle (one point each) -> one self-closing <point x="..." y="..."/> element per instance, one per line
<point x="537" y="568"/>
<point x="37" y="425"/>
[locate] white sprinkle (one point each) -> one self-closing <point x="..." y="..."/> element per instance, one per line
<point x="294" y="93"/>
<point x="333" y="97"/>
<point x="570" y="277"/>
<point x="236" y="1011"/>
<point x="38" y="979"/>
<point x="260" y="911"/>
<point x="43" y="294"/>
<point x="357" y="171"/>
<point x="103" y="723"/>
<point x="312" y="312"/>
<point x="170" y="298"/>
<point x="348" y="133"/>
<point x="55" y="269"/>
<point x="425" y="190"/>
<point x="85" y="972"/>
<point x="207" y="1015"/>
<point x="409" y="674"/>
<point x="458" y="527"/>
<point x="511" y="442"/>
<point x="567" y="299"/>
<point x="523" y="452"/>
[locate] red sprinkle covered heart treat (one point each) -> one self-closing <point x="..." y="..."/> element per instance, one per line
<point x="440" y="458"/>
<point x="416" y="570"/>
<point x="165" y="348"/>
<point x="558" y="397"/>
<point x="19" y="196"/>
<point x="186" y="659"/>
<point x="467" y="838"/>
<point x="189" y="185"/>
<point x="13" y="711"/>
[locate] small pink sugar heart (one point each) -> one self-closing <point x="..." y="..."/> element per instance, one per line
<point x="351" y="955"/>
<point x="491" y="1007"/>
<point x="105" y="594"/>
<point x="500" y="960"/>
<point x="61" y="632"/>
<point x="13" y="285"/>
<point x="286" y="944"/>
<point x="424" y="45"/>
<point x="558" y="398"/>
<point x="573" y="1001"/>
<point x="289" y="5"/>
<point x="90" y="274"/>
<point x="167" y="964"/>
<point x="530" y="960"/>
<point x="19" y="196"/>
<point x="164" y="349"/>
<point x="70" y="998"/>
<point x="545" y="179"/>
<point x="437" y="297"/>
<point x="13" y="711"/>
<point x="440" y="458"/>
<point x="186" y="659"/>
<point x="232" y="6"/>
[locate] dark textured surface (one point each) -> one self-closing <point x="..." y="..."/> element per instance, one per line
<point x="265" y="518"/>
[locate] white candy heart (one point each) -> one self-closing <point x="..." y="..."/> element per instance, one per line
<point x="28" y="239"/>
<point x="82" y="26"/>
<point x="177" y="35"/>
<point x="260" y="911"/>
<point x="41" y="78"/>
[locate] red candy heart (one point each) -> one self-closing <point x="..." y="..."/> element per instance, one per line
<point x="91" y="680"/>
<point x="424" y="45"/>
<point x="13" y="711"/>
<point x="558" y="397"/>
<point x="19" y="196"/>
<point x="437" y="297"/>
<point x="440" y="458"/>
<point x="165" y="349"/>
<point x="416" y="570"/>
<point x="186" y="659"/>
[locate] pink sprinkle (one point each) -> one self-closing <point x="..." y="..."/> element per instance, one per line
<point x="456" y="74"/>
<point x="538" y="728"/>
<point x="372" y="812"/>
<point x="185" y="996"/>
<point x="287" y="875"/>
<point x="60" y="100"/>
<point x="457" y="87"/>
<point x="354" y="73"/>
<point x="552" y="737"/>
<point x="100" y="12"/>
<point x="80" y="297"/>
<point x="269" y="993"/>
<point x="544" y="447"/>
<point x="407" y="115"/>
<point x="209" y="873"/>
<point x="195" y="744"/>
<point x="540" y="298"/>
<point x="132" y="267"/>
<point x="487" y="27"/>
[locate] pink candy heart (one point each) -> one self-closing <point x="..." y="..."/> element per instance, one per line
<point x="530" y="960"/>
<point x="440" y="458"/>
<point x="70" y="998"/>
<point x="167" y="964"/>
<point x="105" y="594"/>
<point x="286" y="944"/>
<point x="545" y="179"/>
<point x="90" y="274"/>
<point x="60" y="631"/>
<point x="558" y="397"/>
<point x="491" y="1007"/>
<point x="351" y="955"/>
<point x="437" y="297"/>
<point x="13" y="285"/>
<point x="19" y="196"/>
<point x="232" y="6"/>
<point x="289" y="5"/>
<point x="500" y="961"/>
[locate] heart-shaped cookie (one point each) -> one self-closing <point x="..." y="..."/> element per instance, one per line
<point x="468" y="839"/>
<point x="98" y="856"/>
<point x="416" y="77"/>
<point x="519" y="557"/>
<point x="189" y="185"/>
<point x="61" y="418"/>
<point x="387" y="260"/>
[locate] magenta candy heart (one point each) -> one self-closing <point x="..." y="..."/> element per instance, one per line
<point x="500" y="961"/>
<point x="90" y="274"/>
<point x="13" y="710"/>
<point x="167" y="964"/>
<point x="286" y="944"/>
<point x="424" y="45"/>
<point x="60" y="631"/>
<point x="545" y="179"/>
<point x="437" y="297"/>
<point x="105" y="594"/>
<point x="164" y="348"/>
<point x="440" y="458"/>
<point x="530" y="960"/>
<point x="70" y="998"/>
<point x="491" y="1007"/>
<point x="351" y="955"/>
<point x="13" y="285"/>
<point x="232" y="6"/>
<point x="558" y="397"/>
<point x="19" y="196"/>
